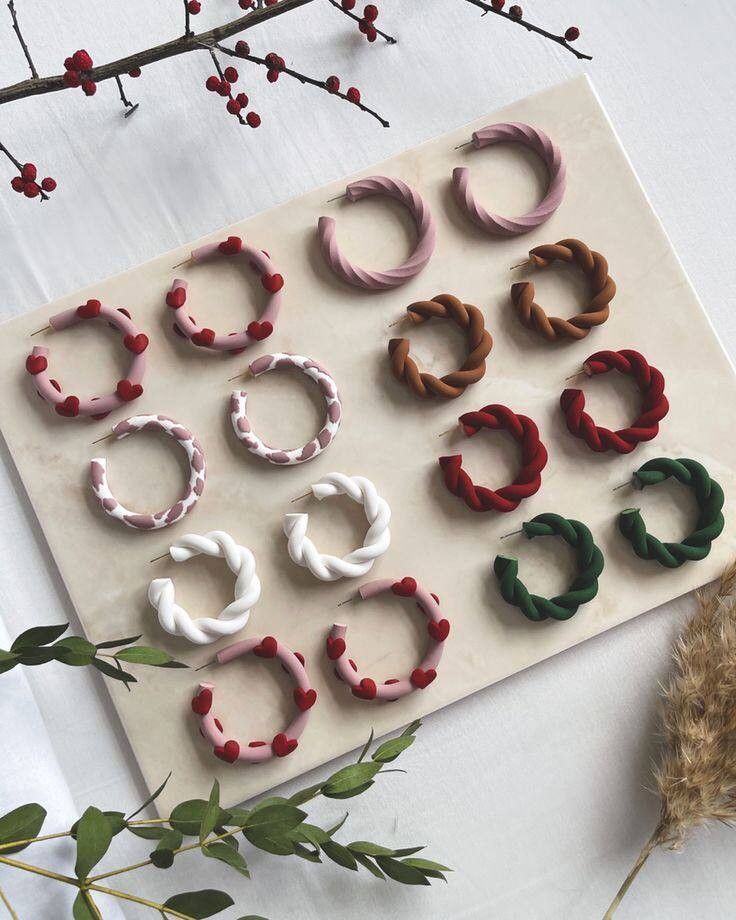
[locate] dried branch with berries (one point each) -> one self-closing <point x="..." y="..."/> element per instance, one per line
<point x="80" y="70"/>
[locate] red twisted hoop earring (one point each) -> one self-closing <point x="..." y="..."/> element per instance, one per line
<point x="256" y="331"/>
<point x="654" y="405"/>
<point x="438" y="628"/>
<point x="533" y="459"/>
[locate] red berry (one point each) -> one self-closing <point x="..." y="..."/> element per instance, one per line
<point x="231" y="74"/>
<point x="370" y="12"/>
<point x="242" y="47"/>
<point x="572" y="33"/>
<point x="271" y="58"/>
<point x="194" y="6"/>
<point x="498" y="4"/>
<point x="347" y="4"/>
<point x="243" y="100"/>
<point x="224" y="88"/>
<point x="29" y="172"/>
<point x="212" y="83"/>
<point x="48" y="184"/>
<point x="17" y="183"/>
<point x="69" y="63"/>
<point x="81" y="60"/>
<point x="371" y="34"/>
<point x="72" y="78"/>
<point x="253" y="119"/>
<point x="89" y="87"/>
<point x="272" y="75"/>
<point x="135" y="72"/>
<point x="353" y="94"/>
<point x="332" y="84"/>
<point x="245" y="4"/>
<point x="363" y="26"/>
<point x="516" y="12"/>
<point x="233" y="106"/>
<point x="31" y="190"/>
<point x="271" y="2"/>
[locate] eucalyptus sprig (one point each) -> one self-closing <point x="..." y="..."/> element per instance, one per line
<point x="277" y="825"/>
<point x="42" y="644"/>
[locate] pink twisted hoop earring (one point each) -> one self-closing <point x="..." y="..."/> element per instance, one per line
<point x="96" y="407"/>
<point x="541" y="144"/>
<point x="393" y="277"/>
<point x="235" y="342"/>
<point x="438" y="628"/>
<point x="283" y="742"/>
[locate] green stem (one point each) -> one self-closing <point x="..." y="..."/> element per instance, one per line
<point x="8" y="905"/>
<point x="646" y="851"/>
<point x="125" y="896"/>
<point x="15" y="843"/>
<point x="37" y="870"/>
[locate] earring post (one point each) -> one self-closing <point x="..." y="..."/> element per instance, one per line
<point x="185" y="262"/>
<point x="156" y="558"/>
<point x="336" y="198"/>
<point x="245" y="373"/>
<point x="39" y="331"/>
<point x="511" y="534"/>
<point x="208" y="665"/>
<point x="105" y="437"/>
<point x="300" y="497"/>
<point x="465" y="144"/>
<point x="348" y="600"/>
<point x="520" y="264"/>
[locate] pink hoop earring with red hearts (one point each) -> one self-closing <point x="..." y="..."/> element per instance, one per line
<point x="438" y="628"/>
<point x="257" y="330"/>
<point x="283" y="742"/>
<point x="96" y="407"/>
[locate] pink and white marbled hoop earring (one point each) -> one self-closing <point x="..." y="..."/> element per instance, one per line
<point x="96" y="407"/>
<point x="235" y="342"/>
<point x="330" y="426"/>
<point x="284" y="742"/>
<point x="393" y="277"/>
<point x="192" y="491"/>
<point x="540" y="143"/>
<point x="438" y="628"/>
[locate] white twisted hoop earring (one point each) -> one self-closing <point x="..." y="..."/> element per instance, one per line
<point x="359" y="561"/>
<point x="176" y="621"/>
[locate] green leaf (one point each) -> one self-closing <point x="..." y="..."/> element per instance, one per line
<point x="276" y="843"/>
<point x="169" y="841"/>
<point x="407" y="851"/>
<point x="94" y="836"/>
<point x="200" y="904"/>
<point x="36" y="656"/>
<point x="432" y="869"/>
<point x="144" y="654"/>
<point x="75" y="651"/>
<point x="310" y="833"/>
<point x="350" y="779"/>
<point x="306" y="795"/>
<point x="391" y="749"/>
<point x="114" y="643"/>
<point x="336" y="827"/>
<point x="81" y="909"/>
<point x="339" y="854"/>
<point x="369" y="849"/>
<point x="252" y="917"/>
<point x="221" y="851"/>
<point x="162" y="859"/>
<point x="306" y="853"/>
<point x="21" y="823"/>
<point x="111" y="671"/>
<point x="211" y="814"/>
<point x="278" y="817"/>
<point x="359" y="790"/>
<point x="411" y="728"/>
<point x="368" y="743"/>
<point x="187" y="817"/>
<point x="371" y="867"/>
<point x="149" y="833"/>
<point x="7" y="661"/>
<point x="38" y="635"/>
<point x="116" y="820"/>
<point x="151" y="798"/>
<point x="401" y="872"/>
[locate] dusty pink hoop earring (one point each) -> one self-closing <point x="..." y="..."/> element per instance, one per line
<point x="96" y="407"/>
<point x="283" y="742"/>
<point x="438" y="628"/>
<point x="393" y="277"/>
<point x="255" y="331"/>
<point x="192" y="491"/>
<point x="541" y="144"/>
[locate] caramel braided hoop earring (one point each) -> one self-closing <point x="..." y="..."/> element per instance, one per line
<point x="602" y="291"/>
<point x="708" y="495"/>
<point x="583" y="588"/>
<point x="470" y="321"/>
<point x="533" y="459"/>
<point x="394" y="277"/>
<point x="550" y="154"/>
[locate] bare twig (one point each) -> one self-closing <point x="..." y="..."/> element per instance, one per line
<point x="24" y="46"/>
<point x="530" y="27"/>
<point x="389" y="39"/>
<point x="129" y="106"/>
<point x="187" y="26"/>
<point x="221" y="75"/>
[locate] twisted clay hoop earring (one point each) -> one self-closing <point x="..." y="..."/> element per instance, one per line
<point x="470" y="321"/>
<point x="358" y="562"/>
<point x="323" y="438"/>
<point x="393" y="277"/>
<point x="255" y="331"/>
<point x="533" y="459"/>
<point x="176" y="621"/>
<point x="283" y="742"/>
<point x="550" y="154"/>
<point x="583" y="588"/>
<point x="654" y="403"/>
<point x="192" y="491"/>
<point x="96" y="407"/>
<point x="710" y="523"/>
<point x="602" y="291"/>
<point x="438" y="628"/>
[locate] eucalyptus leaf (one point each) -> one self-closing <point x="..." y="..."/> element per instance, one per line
<point x="22" y="823"/>
<point x="358" y="790"/>
<point x="238" y="816"/>
<point x="114" y="643"/>
<point x="401" y="872"/>
<point x="7" y="661"/>
<point x="428" y="867"/>
<point x="38" y="635"/>
<point x="151" y="798"/>
<point x="94" y="836"/>
<point x="162" y="859"/>
<point x="81" y="909"/>
<point x="110" y="671"/>
<point x="369" y="849"/>
<point x="148" y="833"/>
<point x="370" y="866"/>
<point x="276" y="817"/>
<point x="305" y="795"/>
<point x="350" y="778"/>
<point x="310" y="833"/>
<point x="35" y="656"/>
<point x="331" y="831"/>
<point x="187" y="817"/>
<point x="211" y="813"/>
<point x="200" y="904"/>
<point x="339" y="854"/>
<point x="221" y="851"/>
<point x="390" y="750"/>
<point x="306" y="853"/>
<point x="411" y="728"/>
<point x="75" y="651"/>
<point x="368" y="743"/>
<point x="116" y="820"/>
<point x="144" y="654"/>
<point x="276" y="843"/>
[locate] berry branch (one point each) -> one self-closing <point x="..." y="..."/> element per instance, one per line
<point x="129" y="106"/>
<point x="25" y="181"/>
<point x="24" y="46"/>
<point x="366" y="23"/>
<point x="516" y="14"/>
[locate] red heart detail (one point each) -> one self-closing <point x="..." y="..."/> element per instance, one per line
<point x="35" y="364"/>
<point x="282" y="745"/>
<point x="272" y="283"/>
<point x="204" y="337"/>
<point x="366" y="689"/>
<point x="228" y="752"/>
<point x="202" y="702"/>
<point x="128" y="391"/>
<point x="267" y="648"/>
<point x="405" y="588"/>
<point x="305" y="699"/>
<point x="335" y="648"/>
<point x="231" y="245"/>
<point x="392" y="680"/>
<point x="124" y="312"/>
<point x="422" y="679"/>
<point x="69" y="408"/>
<point x="439" y="630"/>
<point x="299" y="657"/>
<point x="90" y="309"/>
<point x="256" y="744"/>
<point x="219" y="725"/>
<point x="136" y="343"/>
<point x="259" y="331"/>
<point x="176" y="298"/>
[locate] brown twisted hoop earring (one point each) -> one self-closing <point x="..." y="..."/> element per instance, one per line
<point x="470" y="320"/>
<point x="602" y="291"/>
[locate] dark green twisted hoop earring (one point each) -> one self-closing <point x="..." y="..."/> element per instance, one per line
<point x="583" y="589"/>
<point x="709" y="496"/>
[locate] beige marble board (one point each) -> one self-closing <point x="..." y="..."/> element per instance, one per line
<point x="387" y="435"/>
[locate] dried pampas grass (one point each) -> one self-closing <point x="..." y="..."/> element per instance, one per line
<point x="696" y="773"/>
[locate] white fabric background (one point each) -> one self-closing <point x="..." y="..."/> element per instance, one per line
<point x="534" y="790"/>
